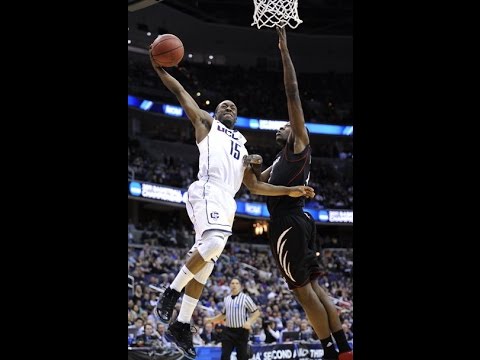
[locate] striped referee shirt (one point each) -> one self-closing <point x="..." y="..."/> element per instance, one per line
<point x="237" y="309"/>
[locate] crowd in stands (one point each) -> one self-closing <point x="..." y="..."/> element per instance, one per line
<point x="253" y="265"/>
<point x="326" y="97"/>
<point x="169" y="169"/>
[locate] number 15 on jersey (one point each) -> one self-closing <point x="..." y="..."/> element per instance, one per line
<point x="234" y="149"/>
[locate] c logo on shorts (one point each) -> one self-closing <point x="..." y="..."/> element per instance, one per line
<point x="214" y="215"/>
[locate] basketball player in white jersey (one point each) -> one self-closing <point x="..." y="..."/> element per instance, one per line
<point x="224" y="163"/>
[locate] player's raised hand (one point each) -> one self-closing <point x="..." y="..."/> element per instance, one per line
<point x="298" y="191"/>
<point x="154" y="64"/>
<point x="282" y="38"/>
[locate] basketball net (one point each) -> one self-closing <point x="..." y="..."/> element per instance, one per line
<point x="279" y="13"/>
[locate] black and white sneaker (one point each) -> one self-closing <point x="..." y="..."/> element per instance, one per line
<point x="165" y="305"/>
<point x="181" y="335"/>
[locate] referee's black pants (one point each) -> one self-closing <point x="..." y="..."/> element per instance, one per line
<point x="235" y="338"/>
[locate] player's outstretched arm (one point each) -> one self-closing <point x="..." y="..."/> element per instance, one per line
<point x="261" y="188"/>
<point x="295" y="111"/>
<point x="196" y="115"/>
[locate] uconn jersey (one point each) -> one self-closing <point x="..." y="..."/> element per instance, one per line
<point x="210" y="202"/>
<point x="221" y="157"/>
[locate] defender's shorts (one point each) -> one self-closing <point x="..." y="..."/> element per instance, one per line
<point x="294" y="247"/>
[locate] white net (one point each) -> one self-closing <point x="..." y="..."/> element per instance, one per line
<point x="279" y="13"/>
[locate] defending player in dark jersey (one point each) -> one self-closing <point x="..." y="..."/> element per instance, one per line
<point x="292" y="232"/>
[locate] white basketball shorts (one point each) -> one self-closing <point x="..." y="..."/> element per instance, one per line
<point x="210" y="207"/>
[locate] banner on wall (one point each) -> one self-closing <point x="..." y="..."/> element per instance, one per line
<point x="294" y="350"/>
<point x="179" y="196"/>
<point x="298" y="351"/>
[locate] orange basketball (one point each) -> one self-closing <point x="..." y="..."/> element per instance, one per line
<point x="167" y="50"/>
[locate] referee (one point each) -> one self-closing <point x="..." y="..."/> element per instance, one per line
<point x="238" y="306"/>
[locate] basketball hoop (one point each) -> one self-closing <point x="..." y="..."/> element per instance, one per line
<point x="279" y="13"/>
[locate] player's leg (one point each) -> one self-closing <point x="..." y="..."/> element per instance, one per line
<point x="193" y="291"/>
<point x="168" y="299"/>
<point x="214" y="241"/>
<point x="318" y="318"/>
<point x="291" y="245"/>
<point x="333" y="318"/>
<point x="199" y="265"/>
<point x="201" y="262"/>
<point x="180" y="331"/>
<point x="208" y="244"/>
<point x="197" y="270"/>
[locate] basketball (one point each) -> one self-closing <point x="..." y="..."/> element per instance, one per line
<point x="167" y="50"/>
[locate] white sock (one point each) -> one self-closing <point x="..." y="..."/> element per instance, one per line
<point x="182" y="279"/>
<point x="186" y="311"/>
